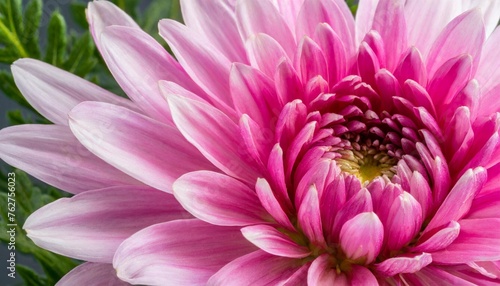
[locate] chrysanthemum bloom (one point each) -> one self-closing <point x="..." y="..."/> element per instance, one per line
<point x="301" y="146"/>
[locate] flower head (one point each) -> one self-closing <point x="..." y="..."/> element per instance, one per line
<point x="301" y="146"/>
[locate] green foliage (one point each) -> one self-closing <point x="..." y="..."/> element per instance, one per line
<point x="353" y="5"/>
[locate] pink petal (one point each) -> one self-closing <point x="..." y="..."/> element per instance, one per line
<point x="430" y="274"/>
<point x="92" y="274"/>
<point x="412" y="67"/>
<point x="90" y="226"/>
<point x="362" y="276"/>
<point x="274" y="242"/>
<point x="262" y="17"/>
<point x="218" y="199"/>
<point x="404" y="221"/>
<point x="311" y="61"/>
<point x="147" y="63"/>
<point x="439" y="240"/>
<point x="256" y="139"/>
<point x="397" y="265"/>
<point x="54" y="92"/>
<point x="265" y="53"/>
<point x="102" y="14"/>
<point x="289" y="10"/>
<point x="256" y="268"/>
<point x="487" y="73"/>
<point x="364" y="17"/>
<point x="359" y="203"/>
<point x="321" y="273"/>
<point x="464" y="35"/>
<point x="214" y="134"/>
<point x="271" y="204"/>
<point x="459" y="199"/>
<point x="389" y="21"/>
<point x="288" y="84"/>
<point x="276" y="171"/>
<point x="479" y="240"/>
<point x="362" y="236"/>
<point x="117" y="135"/>
<point x="334" y="52"/>
<point x="215" y="21"/>
<point x="207" y="66"/>
<point x="181" y="252"/>
<point x="52" y="154"/>
<point x="309" y="217"/>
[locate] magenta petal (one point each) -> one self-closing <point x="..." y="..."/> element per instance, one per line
<point x="321" y="273"/>
<point x="92" y="274"/>
<point x="214" y="134"/>
<point x="52" y="154"/>
<point x="271" y="204"/>
<point x="396" y="265"/>
<point x="412" y="67"/>
<point x="359" y="203"/>
<point x="274" y="242"/>
<point x="404" y="221"/>
<point x="90" y="226"/>
<point x="181" y="252"/>
<point x="362" y="276"/>
<point x="256" y="268"/>
<point x="479" y="240"/>
<point x="309" y="217"/>
<point x="459" y="199"/>
<point x="54" y="92"/>
<point x="362" y="236"/>
<point x="265" y="53"/>
<point x="334" y="52"/>
<point x="311" y="61"/>
<point x="218" y="199"/>
<point x="440" y="239"/>
<point x="117" y="135"/>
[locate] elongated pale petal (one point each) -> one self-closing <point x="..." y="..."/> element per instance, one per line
<point x="90" y="226"/>
<point x="262" y="17"/>
<point x="487" y="72"/>
<point x="218" y="199"/>
<point x="117" y="135"/>
<point x="396" y="265"/>
<point x="265" y="53"/>
<point x="52" y="154"/>
<point x="256" y="268"/>
<point x="271" y="204"/>
<point x="309" y="217"/>
<point x="147" y="63"/>
<point x="92" y="274"/>
<point x="215" y="21"/>
<point x="181" y="252"/>
<point x="207" y="66"/>
<point x="362" y="236"/>
<point x="272" y="241"/>
<point x="54" y="92"/>
<point x="214" y="134"/>
<point x="458" y="201"/>
<point x="479" y="240"/>
<point x="102" y="14"/>
<point x="364" y="18"/>
<point x="333" y="51"/>
<point x="464" y="35"/>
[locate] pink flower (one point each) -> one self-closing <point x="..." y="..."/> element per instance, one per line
<point x="301" y="146"/>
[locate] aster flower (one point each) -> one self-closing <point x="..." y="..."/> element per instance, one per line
<point x="287" y="144"/>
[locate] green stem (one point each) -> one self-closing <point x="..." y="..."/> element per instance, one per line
<point x="14" y="40"/>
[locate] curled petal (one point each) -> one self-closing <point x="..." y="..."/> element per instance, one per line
<point x="362" y="236"/>
<point x="396" y="265"/>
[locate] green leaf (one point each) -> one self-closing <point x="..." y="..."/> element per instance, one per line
<point x="32" y="16"/>
<point x="157" y="10"/>
<point x="8" y="86"/>
<point x="77" y="10"/>
<point x="15" y="117"/>
<point x="11" y="27"/>
<point x="129" y="6"/>
<point x="30" y="277"/>
<point x="56" y="45"/>
<point x="81" y="59"/>
<point x="353" y="5"/>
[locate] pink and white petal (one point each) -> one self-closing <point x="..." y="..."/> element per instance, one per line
<point x="215" y="135"/>
<point x="54" y="92"/>
<point x="403" y="264"/>
<point x="439" y="240"/>
<point x="464" y="35"/>
<point x="321" y="273"/>
<point x="206" y="65"/>
<point x="215" y="21"/>
<point x="459" y="199"/>
<point x="361" y="202"/>
<point x="52" y="154"/>
<point x="364" y="18"/>
<point x="218" y="199"/>
<point x="389" y="21"/>
<point x="274" y="242"/>
<point x="265" y="53"/>
<point x="490" y="10"/>
<point x="333" y="51"/>
<point x="362" y="237"/>
<point x="488" y="74"/>
<point x="309" y="217"/>
<point x="89" y="273"/>
<point x="362" y="276"/>
<point x="256" y="268"/>
<point x="255" y="17"/>
<point x="146" y="63"/>
<point x="403" y="222"/>
<point x="289" y="10"/>
<point x="271" y="204"/>
<point x="479" y="240"/>
<point x="133" y="143"/>
<point x="299" y="277"/>
<point x="412" y="67"/>
<point x="90" y="226"/>
<point x="102" y="14"/>
<point x="181" y="252"/>
<point x="430" y="274"/>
